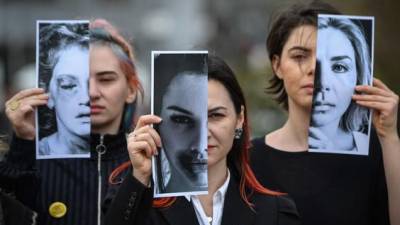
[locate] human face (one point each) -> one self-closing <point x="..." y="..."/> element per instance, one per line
<point x="109" y="90"/>
<point x="222" y="122"/>
<point x="69" y="91"/>
<point x="337" y="78"/>
<point x="184" y="126"/>
<point x="296" y="66"/>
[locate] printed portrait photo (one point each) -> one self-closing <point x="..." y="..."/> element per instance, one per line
<point x="179" y="97"/>
<point x="344" y="60"/>
<point x="62" y="64"/>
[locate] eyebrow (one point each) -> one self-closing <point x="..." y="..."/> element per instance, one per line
<point x="341" y="57"/>
<point x="216" y="109"/>
<point x="67" y="76"/>
<point x="179" y="109"/>
<point x="106" y="72"/>
<point x="301" y="48"/>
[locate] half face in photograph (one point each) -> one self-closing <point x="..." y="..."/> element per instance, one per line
<point x="69" y="94"/>
<point x="336" y="77"/>
<point x="184" y="127"/>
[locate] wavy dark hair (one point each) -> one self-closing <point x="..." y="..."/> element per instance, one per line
<point x="281" y="28"/>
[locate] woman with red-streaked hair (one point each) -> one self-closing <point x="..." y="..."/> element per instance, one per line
<point x="234" y="195"/>
<point x="72" y="191"/>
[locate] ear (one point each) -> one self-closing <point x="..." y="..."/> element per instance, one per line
<point x="276" y="66"/>
<point x="240" y="119"/>
<point x="131" y="95"/>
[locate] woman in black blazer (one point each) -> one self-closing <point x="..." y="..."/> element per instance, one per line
<point x="234" y="196"/>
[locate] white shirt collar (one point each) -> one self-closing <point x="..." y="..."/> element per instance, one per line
<point x="218" y="205"/>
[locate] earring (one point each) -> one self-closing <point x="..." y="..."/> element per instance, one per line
<point x="238" y="133"/>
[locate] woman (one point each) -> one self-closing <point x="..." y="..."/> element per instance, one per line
<point x="337" y="122"/>
<point x="327" y="188"/>
<point x="71" y="191"/>
<point x="63" y="45"/>
<point x="234" y="195"/>
<point x="182" y="163"/>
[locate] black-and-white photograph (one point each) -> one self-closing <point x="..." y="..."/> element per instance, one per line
<point x="179" y="97"/>
<point x="344" y="60"/>
<point x="62" y="67"/>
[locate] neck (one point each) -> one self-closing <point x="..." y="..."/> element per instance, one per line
<point x="217" y="176"/>
<point x="109" y="128"/>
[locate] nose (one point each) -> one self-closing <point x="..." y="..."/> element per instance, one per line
<point x="199" y="147"/>
<point x="321" y="84"/>
<point x="93" y="88"/>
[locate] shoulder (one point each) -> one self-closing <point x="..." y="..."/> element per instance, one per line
<point x="282" y="207"/>
<point x="44" y="144"/>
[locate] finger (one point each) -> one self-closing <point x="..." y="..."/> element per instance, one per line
<point x="314" y="143"/>
<point x="147" y="120"/>
<point x="26" y="93"/>
<point x="375" y="98"/>
<point x="156" y="136"/>
<point x="316" y="133"/>
<point x="380" y="84"/>
<point x="380" y="106"/>
<point x="373" y="90"/>
<point x="140" y="147"/>
<point x="149" y="139"/>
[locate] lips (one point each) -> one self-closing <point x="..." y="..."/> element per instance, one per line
<point x="309" y="88"/>
<point x="321" y="107"/>
<point x="96" y="109"/>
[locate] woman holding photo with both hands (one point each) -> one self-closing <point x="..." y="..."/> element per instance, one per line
<point x="327" y="188"/>
<point x="234" y="195"/>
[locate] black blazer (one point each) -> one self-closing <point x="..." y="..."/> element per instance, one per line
<point x="133" y="206"/>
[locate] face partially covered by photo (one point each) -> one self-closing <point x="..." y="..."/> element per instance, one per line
<point x="184" y="129"/>
<point x="69" y="94"/>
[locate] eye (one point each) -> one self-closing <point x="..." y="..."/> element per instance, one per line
<point x="340" y="68"/>
<point x="215" y="115"/>
<point x="67" y="86"/>
<point x="299" y="57"/>
<point x="182" y="119"/>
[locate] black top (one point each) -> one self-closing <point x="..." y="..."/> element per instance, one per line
<point x="133" y="206"/>
<point x="327" y="188"/>
<point x="74" y="182"/>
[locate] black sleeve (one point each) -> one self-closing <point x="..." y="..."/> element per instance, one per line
<point x="287" y="211"/>
<point x="17" y="171"/>
<point x="22" y="153"/>
<point x="131" y="204"/>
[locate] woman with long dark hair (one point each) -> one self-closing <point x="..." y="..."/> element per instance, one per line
<point x="234" y="194"/>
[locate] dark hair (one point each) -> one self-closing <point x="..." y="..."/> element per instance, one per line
<point x="53" y="38"/>
<point x="282" y="26"/>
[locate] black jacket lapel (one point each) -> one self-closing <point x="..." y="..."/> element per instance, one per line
<point x="236" y="211"/>
<point x="180" y="213"/>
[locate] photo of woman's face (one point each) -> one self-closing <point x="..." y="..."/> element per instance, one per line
<point x="184" y="127"/>
<point x="336" y="76"/>
<point x="69" y="90"/>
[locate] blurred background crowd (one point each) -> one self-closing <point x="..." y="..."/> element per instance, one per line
<point x="233" y="29"/>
